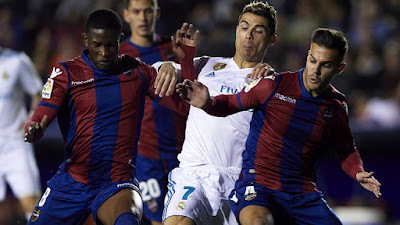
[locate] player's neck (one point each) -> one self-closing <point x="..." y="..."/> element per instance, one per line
<point x="242" y="64"/>
<point x="142" y="41"/>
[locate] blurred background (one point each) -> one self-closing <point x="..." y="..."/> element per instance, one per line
<point x="49" y="31"/>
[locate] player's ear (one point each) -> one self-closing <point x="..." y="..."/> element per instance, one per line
<point x="121" y="39"/>
<point x="341" y="68"/>
<point x="85" y="39"/>
<point x="272" y="39"/>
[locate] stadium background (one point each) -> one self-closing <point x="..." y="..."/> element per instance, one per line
<point x="49" y="31"/>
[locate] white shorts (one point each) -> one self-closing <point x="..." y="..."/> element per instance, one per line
<point x="18" y="168"/>
<point x="201" y="193"/>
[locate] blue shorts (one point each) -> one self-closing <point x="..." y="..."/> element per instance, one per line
<point x="303" y="208"/>
<point x="153" y="177"/>
<point x="67" y="201"/>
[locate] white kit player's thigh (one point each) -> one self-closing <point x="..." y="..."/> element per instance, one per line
<point x="22" y="173"/>
<point x="186" y="197"/>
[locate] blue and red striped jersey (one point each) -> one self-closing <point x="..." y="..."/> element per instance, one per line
<point x="288" y="129"/>
<point x="99" y="114"/>
<point x="163" y="130"/>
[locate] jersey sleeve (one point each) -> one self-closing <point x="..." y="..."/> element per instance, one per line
<point x="252" y="96"/>
<point x="347" y="153"/>
<point x="188" y="70"/>
<point x="29" y="76"/>
<point x="173" y="102"/>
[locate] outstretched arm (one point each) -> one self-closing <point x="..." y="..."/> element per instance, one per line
<point x="184" y="47"/>
<point x="368" y="181"/>
<point x="194" y="93"/>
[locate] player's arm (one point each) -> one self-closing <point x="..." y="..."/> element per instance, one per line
<point x="252" y="96"/>
<point x="173" y="102"/>
<point x="184" y="47"/>
<point x="350" y="158"/>
<point x="54" y="94"/>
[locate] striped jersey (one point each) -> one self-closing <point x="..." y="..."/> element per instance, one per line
<point x="163" y="130"/>
<point x="99" y="114"/>
<point x="288" y="130"/>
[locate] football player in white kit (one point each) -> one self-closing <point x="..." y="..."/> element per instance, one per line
<point x="211" y="157"/>
<point x="18" y="168"/>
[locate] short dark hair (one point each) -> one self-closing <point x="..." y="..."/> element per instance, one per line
<point x="104" y="19"/>
<point x="126" y="3"/>
<point x="331" y="39"/>
<point x="260" y="8"/>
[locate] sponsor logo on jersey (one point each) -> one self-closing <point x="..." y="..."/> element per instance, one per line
<point x="210" y="74"/>
<point x="181" y="206"/>
<point x="219" y="66"/>
<point x="328" y="115"/>
<point x="152" y="206"/>
<point x="285" y="98"/>
<point x="48" y="88"/>
<point x="56" y="71"/>
<point x="5" y="75"/>
<point x="228" y="90"/>
<point x="123" y="185"/>
<point x="35" y="215"/>
<point x="82" y="81"/>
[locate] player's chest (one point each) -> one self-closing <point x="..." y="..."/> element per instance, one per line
<point x="112" y="91"/>
<point x="224" y="82"/>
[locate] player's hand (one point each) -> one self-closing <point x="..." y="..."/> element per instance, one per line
<point x="184" y="36"/>
<point x="194" y="93"/>
<point x="35" y="129"/>
<point x="261" y="70"/>
<point x="368" y="181"/>
<point x="166" y="79"/>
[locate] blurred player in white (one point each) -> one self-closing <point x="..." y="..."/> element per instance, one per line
<point x="18" y="169"/>
<point x="211" y="157"/>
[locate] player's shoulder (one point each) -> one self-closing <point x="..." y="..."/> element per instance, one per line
<point x="13" y="54"/>
<point x="128" y="62"/>
<point x="337" y="97"/>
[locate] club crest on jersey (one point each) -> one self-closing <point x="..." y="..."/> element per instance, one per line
<point x="152" y="205"/>
<point x="219" y="66"/>
<point x="181" y="206"/>
<point x="47" y="88"/>
<point x="128" y="73"/>
<point x="35" y="215"/>
<point x="55" y="72"/>
<point x="251" y="85"/>
<point x="5" y="75"/>
<point x="250" y="193"/>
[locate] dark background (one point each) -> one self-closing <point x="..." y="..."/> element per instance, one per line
<point x="49" y="31"/>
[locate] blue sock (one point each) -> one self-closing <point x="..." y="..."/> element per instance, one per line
<point x="127" y="218"/>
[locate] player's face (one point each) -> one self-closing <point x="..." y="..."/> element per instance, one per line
<point x="252" y="38"/>
<point x="103" y="45"/>
<point x="141" y="16"/>
<point x="322" y="66"/>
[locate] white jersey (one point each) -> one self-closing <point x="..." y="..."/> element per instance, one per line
<point x="210" y="140"/>
<point x="18" y="77"/>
